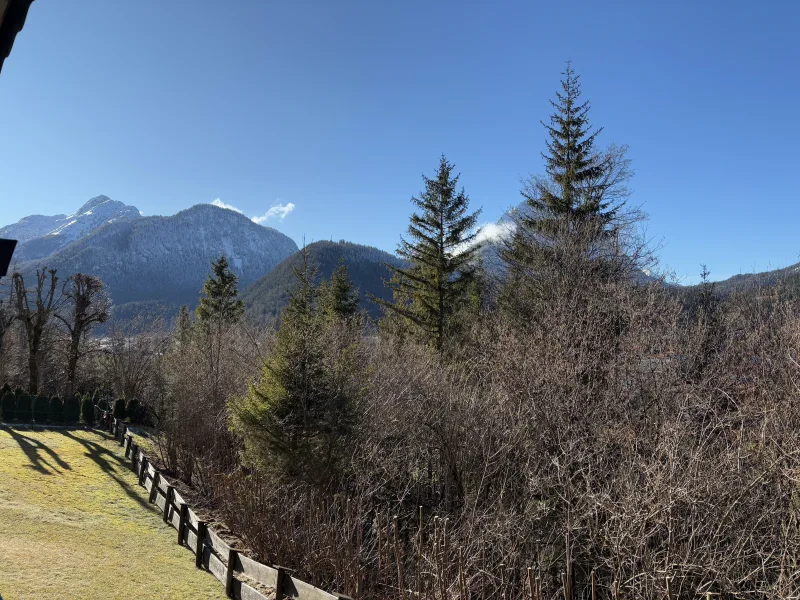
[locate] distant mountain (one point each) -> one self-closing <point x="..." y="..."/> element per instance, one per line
<point x="757" y="282"/>
<point x="158" y="263"/>
<point x="40" y="236"/>
<point x="269" y="295"/>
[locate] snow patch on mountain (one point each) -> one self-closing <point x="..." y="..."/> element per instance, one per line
<point x="39" y="236"/>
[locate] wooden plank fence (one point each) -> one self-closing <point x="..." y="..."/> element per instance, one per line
<point x="240" y="575"/>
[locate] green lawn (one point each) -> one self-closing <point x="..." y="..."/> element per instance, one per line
<point x="74" y="524"/>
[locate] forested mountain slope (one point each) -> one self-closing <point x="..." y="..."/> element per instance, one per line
<point x="269" y="295"/>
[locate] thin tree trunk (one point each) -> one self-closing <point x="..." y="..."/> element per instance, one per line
<point x="33" y="371"/>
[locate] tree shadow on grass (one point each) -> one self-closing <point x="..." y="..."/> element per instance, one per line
<point x="105" y="459"/>
<point x="33" y="449"/>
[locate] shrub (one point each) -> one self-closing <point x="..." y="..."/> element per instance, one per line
<point x="103" y="404"/>
<point x="72" y="409"/>
<point x="41" y="409"/>
<point x="6" y="388"/>
<point x="134" y="410"/>
<point x="8" y="406"/>
<point x="56" y="409"/>
<point x="25" y="408"/>
<point x="119" y="408"/>
<point x="19" y="392"/>
<point x="87" y="410"/>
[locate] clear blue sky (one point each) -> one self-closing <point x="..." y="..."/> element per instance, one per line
<point x="339" y="106"/>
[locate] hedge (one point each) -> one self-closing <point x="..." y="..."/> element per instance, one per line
<point x="119" y="408"/>
<point x="134" y="410"/>
<point x="8" y="406"/>
<point x="41" y="409"/>
<point x="25" y="408"/>
<point x="56" y="409"/>
<point x="87" y="410"/>
<point x="72" y="409"/>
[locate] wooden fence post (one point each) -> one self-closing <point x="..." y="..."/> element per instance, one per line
<point x="232" y="554"/>
<point x="279" y="585"/>
<point x="201" y="536"/>
<point x="143" y="472"/>
<point x="168" y="502"/>
<point x="154" y="489"/>
<point x="134" y="450"/>
<point x="182" y="522"/>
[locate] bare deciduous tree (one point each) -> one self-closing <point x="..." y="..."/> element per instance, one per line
<point x="90" y="304"/>
<point x="36" y="315"/>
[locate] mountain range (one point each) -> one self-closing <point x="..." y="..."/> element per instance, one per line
<point x="39" y="236"/>
<point x="151" y="263"/>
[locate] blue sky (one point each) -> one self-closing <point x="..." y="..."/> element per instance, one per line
<point x="338" y="107"/>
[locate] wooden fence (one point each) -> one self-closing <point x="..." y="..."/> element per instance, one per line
<point x="242" y="577"/>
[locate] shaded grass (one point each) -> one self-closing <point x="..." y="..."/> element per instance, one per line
<point x="75" y="524"/>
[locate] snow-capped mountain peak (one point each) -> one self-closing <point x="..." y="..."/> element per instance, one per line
<point x="40" y="235"/>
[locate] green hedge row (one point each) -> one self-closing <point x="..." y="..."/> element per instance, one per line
<point x="41" y="409"/>
<point x="23" y="408"/>
<point x="18" y="406"/>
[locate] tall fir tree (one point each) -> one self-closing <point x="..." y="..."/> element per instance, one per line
<point x="338" y="298"/>
<point x="572" y="164"/>
<point x="441" y="251"/>
<point x="572" y="212"/>
<point x="293" y="418"/>
<point x="220" y="299"/>
<point x="183" y="326"/>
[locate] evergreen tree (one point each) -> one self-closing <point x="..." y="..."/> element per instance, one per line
<point x="72" y="409"/>
<point x="566" y="239"/>
<point x="41" y="409"/>
<point x="8" y="407"/>
<point x="56" y="409"/>
<point x="220" y="299"/>
<point x="338" y="298"/>
<point x="119" y="408"/>
<point x="572" y="164"/>
<point x="441" y="251"/>
<point x="293" y="418"/>
<point x="24" y="408"/>
<point x="87" y="409"/>
<point x="183" y="327"/>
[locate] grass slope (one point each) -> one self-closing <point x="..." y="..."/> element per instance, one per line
<point x="74" y="524"/>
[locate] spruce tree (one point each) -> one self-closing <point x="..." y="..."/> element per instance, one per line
<point x="441" y="252"/>
<point x="220" y="299"/>
<point x="566" y="238"/>
<point x="293" y="417"/>
<point x="572" y="164"/>
<point x="338" y="298"/>
<point x="183" y="327"/>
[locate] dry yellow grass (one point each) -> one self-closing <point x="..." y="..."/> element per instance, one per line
<point x="74" y="524"/>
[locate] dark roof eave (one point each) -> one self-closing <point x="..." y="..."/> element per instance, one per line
<point x="11" y="24"/>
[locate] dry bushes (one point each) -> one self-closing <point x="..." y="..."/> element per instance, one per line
<point x="587" y="427"/>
